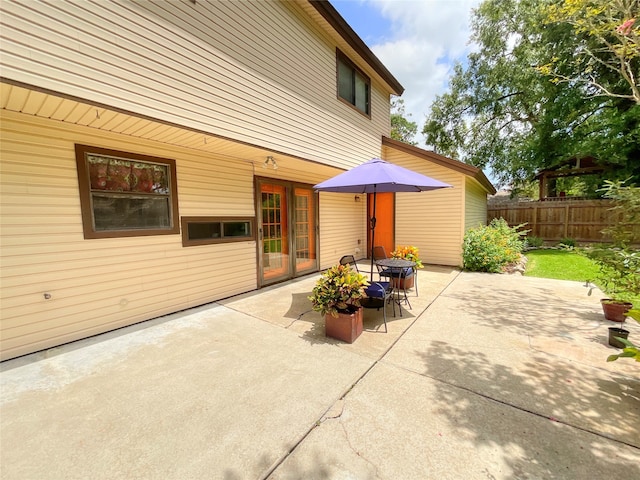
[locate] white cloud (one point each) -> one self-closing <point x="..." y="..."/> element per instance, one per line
<point x="427" y="37"/>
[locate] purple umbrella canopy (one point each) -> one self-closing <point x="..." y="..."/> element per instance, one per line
<point x="375" y="176"/>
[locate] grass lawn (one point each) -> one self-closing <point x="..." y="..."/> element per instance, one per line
<point x="565" y="265"/>
<point x="561" y="265"/>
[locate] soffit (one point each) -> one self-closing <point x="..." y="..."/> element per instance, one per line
<point x="45" y="104"/>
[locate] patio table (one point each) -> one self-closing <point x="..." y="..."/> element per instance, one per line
<point x="398" y="267"/>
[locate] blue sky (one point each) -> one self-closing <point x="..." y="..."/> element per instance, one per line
<point x="417" y="40"/>
<point x="365" y="19"/>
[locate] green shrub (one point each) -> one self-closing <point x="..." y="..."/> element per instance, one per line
<point x="533" y="242"/>
<point x="490" y="248"/>
<point x="567" y="242"/>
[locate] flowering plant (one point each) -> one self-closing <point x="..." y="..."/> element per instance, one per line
<point x="408" y="253"/>
<point x="338" y="289"/>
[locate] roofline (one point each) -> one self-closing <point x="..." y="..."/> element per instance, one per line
<point x="469" y="170"/>
<point x="331" y="15"/>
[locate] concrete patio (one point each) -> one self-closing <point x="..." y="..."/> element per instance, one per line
<point x="488" y="376"/>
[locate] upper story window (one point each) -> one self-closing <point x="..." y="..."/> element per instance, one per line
<point x="126" y="194"/>
<point x="354" y="87"/>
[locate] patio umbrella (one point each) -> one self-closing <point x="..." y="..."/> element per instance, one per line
<point x="375" y="176"/>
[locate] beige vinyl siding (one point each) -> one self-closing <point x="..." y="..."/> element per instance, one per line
<point x="431" y="221"/>
<point x="254" y="71"/>
<point x="98" y="285"/>
<point x="475" y="204"/>
<point x="343" y="222"/>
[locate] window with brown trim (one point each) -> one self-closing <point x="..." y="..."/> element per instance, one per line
<point x="126" y="194"/>
<point x="206" y="230"/>
<point x="354" y="87"/>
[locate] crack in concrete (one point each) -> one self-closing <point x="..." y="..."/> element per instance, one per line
<point x="336" y="410"/>
<point x="342" y="398"/>
<point x="353" y="449"/>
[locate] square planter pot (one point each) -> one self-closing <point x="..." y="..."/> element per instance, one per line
<point x="346" y="327"/>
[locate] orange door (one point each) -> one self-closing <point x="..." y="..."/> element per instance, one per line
<point x="385" y="221"/>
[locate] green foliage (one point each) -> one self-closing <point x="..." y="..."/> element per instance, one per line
<point x="629" y="351"/>
<point x="336" y="289"/>
<point x="560" y="264"/>
<point x="502" y="111"/>
<point x="608" y="36"/>
<point x="533" y="242"/>
<point x="408" y="253"/>
<point x="567" y="242"/>
<point x="490" y="248"/>
<point x="402" y="129"/>
<point x="626" y="231"/>
<point x="619" y="264"/>
<point x="619" y="271"/>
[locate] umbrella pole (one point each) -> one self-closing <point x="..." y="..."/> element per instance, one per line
<point x="373" y="230"/>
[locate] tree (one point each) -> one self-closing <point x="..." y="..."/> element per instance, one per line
<point x="608" y="37"/>
<point x="401" y="128"/>
<point x="503" y="112"/>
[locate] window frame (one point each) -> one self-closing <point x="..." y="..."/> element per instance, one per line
<point x="187" y="242"/>
<point x="342" y="58"/>
<point x="86" y="204"/>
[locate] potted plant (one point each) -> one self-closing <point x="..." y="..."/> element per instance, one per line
<point x="615" y="310"/>
<point x="619" y="334"/>
<point x="407" y="253"/>
<point x="619" y="268"/>
<point x="337" y="296"/>
<point x="620" y="340"/>
<point x="619" y="263"/>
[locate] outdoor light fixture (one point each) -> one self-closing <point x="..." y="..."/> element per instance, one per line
<point x="270" y="161"/>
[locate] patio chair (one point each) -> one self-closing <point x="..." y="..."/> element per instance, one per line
<point x="379" y="293"/>
<point x="379" y="253"/>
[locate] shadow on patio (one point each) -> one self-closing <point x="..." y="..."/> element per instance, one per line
<point x="286" y="305"/>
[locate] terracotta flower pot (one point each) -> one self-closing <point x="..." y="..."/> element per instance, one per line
<point x="615" y="310"/>
<point x="346" y="327"/>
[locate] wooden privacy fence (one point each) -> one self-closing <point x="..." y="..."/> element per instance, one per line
<point x="581" y="220"/>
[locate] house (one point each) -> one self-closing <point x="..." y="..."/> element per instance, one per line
<point x="436" y="222"/>
<point x="156" y="156"/>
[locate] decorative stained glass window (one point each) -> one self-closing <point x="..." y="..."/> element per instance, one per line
<point x="125" y="194"/>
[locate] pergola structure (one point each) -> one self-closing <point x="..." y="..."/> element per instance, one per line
<point x="573" y="167"/>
